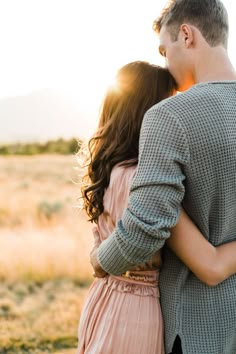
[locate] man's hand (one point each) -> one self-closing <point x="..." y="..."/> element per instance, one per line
<point x="98" y="271"/>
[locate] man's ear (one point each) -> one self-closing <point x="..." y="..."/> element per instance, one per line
<point x="187" y="35"/>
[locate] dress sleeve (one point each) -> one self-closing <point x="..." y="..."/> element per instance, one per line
<point x="156" y="194"/>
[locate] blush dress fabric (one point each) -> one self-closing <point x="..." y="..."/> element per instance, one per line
<point x="122" y="314"/>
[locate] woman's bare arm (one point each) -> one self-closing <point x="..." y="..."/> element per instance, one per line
<point x="210" y="264"/>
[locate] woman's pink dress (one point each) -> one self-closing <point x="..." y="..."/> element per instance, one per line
<point x="122" y="314"/>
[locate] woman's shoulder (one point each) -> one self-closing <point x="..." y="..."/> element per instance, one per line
<point x="117" y="194"/>
<point x="122" y="173"/>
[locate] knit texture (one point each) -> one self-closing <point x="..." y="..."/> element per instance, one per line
<point x="187" y="155"/>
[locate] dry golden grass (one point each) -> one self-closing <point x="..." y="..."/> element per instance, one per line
<point x="39" y="318"/>
<point x="41" y="255"/>
<point x="44" y="260"/>
<point x="42" y="233"/>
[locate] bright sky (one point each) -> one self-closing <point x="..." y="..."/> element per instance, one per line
<point x="76" y="46"/>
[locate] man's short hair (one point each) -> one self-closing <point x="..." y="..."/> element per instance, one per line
<point x="209" y="16"/>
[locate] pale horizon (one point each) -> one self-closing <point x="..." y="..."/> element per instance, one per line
<point x="74" y="48"/>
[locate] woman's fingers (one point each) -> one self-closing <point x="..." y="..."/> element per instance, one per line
<point x="98" y="271"/>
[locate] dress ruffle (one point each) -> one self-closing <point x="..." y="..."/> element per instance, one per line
<point x="124" y="285"/>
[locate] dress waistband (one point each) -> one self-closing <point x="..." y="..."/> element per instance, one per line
<point x="147" y="277"/>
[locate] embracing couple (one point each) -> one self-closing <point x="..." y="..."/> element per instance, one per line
<point x="161" y="187"/>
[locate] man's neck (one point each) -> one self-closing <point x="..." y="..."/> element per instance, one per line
<point x="214" y="66"/>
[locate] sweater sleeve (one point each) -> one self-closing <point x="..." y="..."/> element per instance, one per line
<point x="156" y="194"/>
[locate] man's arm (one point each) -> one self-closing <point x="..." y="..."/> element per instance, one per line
<point x="156" y="194"/>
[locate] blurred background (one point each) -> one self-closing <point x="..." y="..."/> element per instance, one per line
<point x="57" y="59"/>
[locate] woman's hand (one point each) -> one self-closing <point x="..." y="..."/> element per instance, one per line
<point x="96" y="236"/>
<point x="98" y="271"/>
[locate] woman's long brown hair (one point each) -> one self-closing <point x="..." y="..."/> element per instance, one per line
<point x="139" y="85"/>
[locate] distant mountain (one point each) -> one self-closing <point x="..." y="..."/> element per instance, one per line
<point x="40" y="116"/>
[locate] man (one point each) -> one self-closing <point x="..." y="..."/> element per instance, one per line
<point x="187" y="155"/>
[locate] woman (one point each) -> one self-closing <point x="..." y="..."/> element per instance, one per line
<point x="122" y="314"/>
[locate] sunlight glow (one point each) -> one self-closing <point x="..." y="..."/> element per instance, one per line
<point x="76" y="47"/>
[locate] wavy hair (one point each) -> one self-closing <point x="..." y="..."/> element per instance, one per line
<point x="139" y="86"/>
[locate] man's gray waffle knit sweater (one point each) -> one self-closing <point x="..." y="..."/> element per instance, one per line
<point x="188" y="156"/>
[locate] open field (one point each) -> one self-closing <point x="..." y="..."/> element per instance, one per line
<point x="44" y="260"/>
<point x="39" y="318"/>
